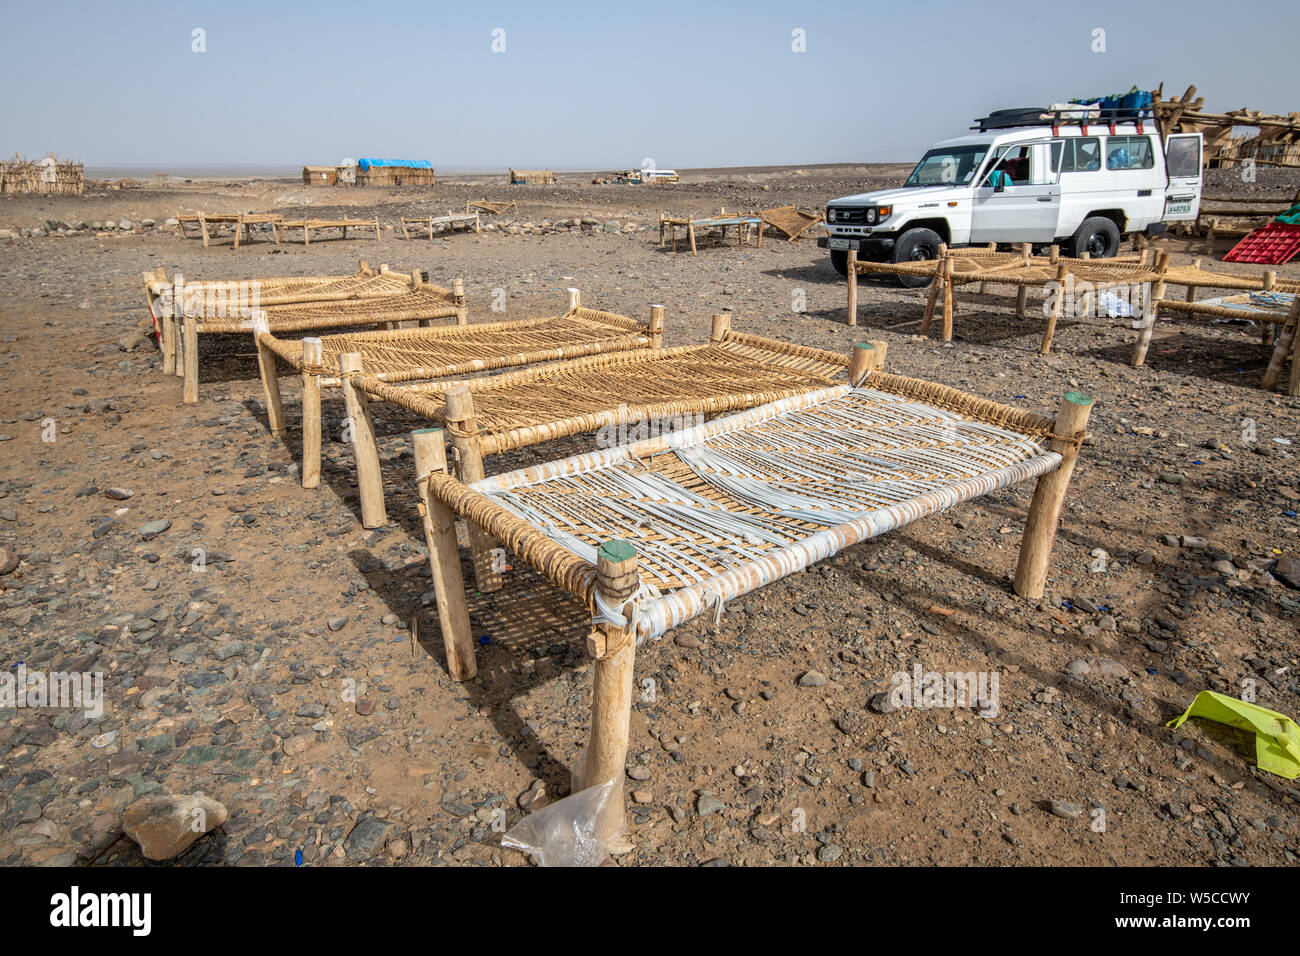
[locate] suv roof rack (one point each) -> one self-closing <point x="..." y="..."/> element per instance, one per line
<point x="1035" y="116"/>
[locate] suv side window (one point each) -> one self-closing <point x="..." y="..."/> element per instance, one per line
<point x="1082" y="154"/>
<point x="1129" y="152"/>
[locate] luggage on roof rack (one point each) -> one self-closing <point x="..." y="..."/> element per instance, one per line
<point x="1035" y="116"/>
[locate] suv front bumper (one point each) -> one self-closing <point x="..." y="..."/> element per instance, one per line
<point x="871" y="248"/>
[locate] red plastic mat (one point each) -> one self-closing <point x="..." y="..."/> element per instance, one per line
<point x="1273" y="244"/>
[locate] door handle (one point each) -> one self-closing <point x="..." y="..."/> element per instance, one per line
<point x="1044" y="198"/>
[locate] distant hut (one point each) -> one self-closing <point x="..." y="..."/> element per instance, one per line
<point x="394" y="172"/>
<point x="45" y="177"/>
<point x="320" y="175"/>
<point x="531" y="177"/>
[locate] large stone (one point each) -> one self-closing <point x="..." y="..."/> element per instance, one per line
<point x="166" y="825"/>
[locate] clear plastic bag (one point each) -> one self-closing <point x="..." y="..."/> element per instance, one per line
<point x="567" y="832"/>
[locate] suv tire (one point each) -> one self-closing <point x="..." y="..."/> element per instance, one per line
<point x="1097" y="236"/>
<point x="916" y="245"/>
<point x="840" y="260"/>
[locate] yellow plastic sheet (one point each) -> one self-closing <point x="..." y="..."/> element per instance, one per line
<point x="1277" y="738"/>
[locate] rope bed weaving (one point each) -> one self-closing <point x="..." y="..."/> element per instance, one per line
<point x="408" y="355"/>
<point x="652" y="534"/>
<point x="723" y="508"/>
<point x="410" y="305"/>
<point x="1081" y="280"/>
<point x="289" y="304"/>
<point x="518" y="409"/>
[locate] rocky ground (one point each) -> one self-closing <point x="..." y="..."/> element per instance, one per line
<point x="262" y="649"/>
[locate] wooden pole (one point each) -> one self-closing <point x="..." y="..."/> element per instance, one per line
<point x="656" y="326"/>
<point x="1283" y="347"/>
<point x="1266" y="328"/>
<point x="270" y="375"/>
<point x="936" y="288"/>
<point x="1191" y="289"/>
<point x="1022" y="292"/>
<point x="463" y="426"/>
<point x="169" y="343"/>
<point x="311" y="417"/>
<point x="865" y="358"/>
<point x="1054" y="316"/>
<point x="1049" y="497"/>
<point x="721" y="326"/>
<point x="444" y="557"/>
<point x="575" y="299"/>
<point x="1151" y="312"/>
<point x="365" y="450"/>
<point x="947" y="299"/>
<point x="458" y="295"/>
<point x="614" y="649"/>
<point x="190" y="389"/>
<point x="852" y="274"/>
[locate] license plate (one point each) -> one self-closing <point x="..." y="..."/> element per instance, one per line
<point x="840" y="244"/>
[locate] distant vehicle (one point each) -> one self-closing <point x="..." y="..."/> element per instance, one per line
<point x="636" y="177"/>
<point x="1080" y="180"/>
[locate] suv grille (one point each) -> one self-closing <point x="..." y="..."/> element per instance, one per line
<point x="846" y="216"/>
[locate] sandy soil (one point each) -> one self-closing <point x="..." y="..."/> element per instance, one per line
<point x="229" y="677"/>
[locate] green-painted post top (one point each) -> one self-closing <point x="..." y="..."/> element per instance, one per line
<point x="617" y="550"/>
<point x="864" y="345"/>
<point x="1077" y="398"/>
<point x="427" y="431"/>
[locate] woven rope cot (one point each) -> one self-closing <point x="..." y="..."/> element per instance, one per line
<point x="242" y="221"/>
<point x="426" y="355"/>
<point x="448" y="223"/>
<point x="652" y="534"/>
<point x="183" y="311"/>
<point x="743" y="224"/>
<point x="495" y="414"/>
<point x="1145" y="281"/>
<point x="790" y="221"/>
<point x="487" y="205"/>
<point x="307" y="225"/>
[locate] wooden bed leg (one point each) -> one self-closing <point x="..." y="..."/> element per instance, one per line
<point x="1022" y="292"/>
<point x="270" y="376"/>
<point x="1151" y="312"/>
<point x="465" y="438"/>
<point x="406" y="235"/>
<point x="861" y="361"/>
<point x="1191" y="289"/>
<point x="947" y="299"/>
<point x="1049" y="497"/>
<point x="311" y="412"/>
<point x="1282" y="348"/>
<point x="169" y="327"/>
<point x="1266" y="328"/>
<point x="721" y="326"/>
<point x="656" y="326"/>
<point x="1057" y="307"/>
<point x="614" y="650"/>
<point x="575" y="299"/>
<point x="936" y="288"/>
<point x="203" y="226"/>
<point x="444" y="557"/>
<point x="370" y="480"/>
<point x="190" y="389"/>
<point x="458" y="290"/>
<point x="691" y="232"/>
<point x="851" y="271"/>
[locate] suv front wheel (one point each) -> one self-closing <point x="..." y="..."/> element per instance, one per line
<point x="916" y="245"/>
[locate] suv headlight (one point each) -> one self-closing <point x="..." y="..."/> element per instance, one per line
<point x="830" y="214"/>
<point x="871" y="217"/>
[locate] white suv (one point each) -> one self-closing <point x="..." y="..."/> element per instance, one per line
<point x="1081" y="183"/>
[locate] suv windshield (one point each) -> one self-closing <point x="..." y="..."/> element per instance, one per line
<point x="944" y="167"/>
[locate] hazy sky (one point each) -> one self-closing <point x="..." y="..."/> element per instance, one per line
<point x="597" y="85"/>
